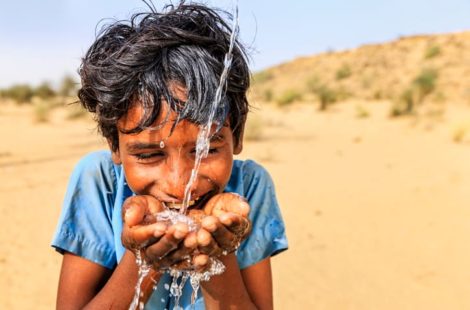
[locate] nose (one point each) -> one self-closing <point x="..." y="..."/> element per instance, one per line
<point x="174" y="183"/>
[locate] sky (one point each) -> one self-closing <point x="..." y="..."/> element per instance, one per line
<point x="44" y="40"/>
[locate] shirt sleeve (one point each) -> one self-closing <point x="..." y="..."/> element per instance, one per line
<point x="267" y="237"/>
<point x="85" y="227"/>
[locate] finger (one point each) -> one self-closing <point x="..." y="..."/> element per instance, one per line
<point x="133" y="211"/>
<point x="230" y="202"/>
<point x="142" y="235"/>
<point x="238" y="205"/>
<point x="206" y="244"/>
<point x="224" y="238"/>
<point x="140" y="209"/>
<point x="167" y="243"/>
<point x="201" y="262"/>
<point x="182" y="253"/>
<point x="237" y="224"/>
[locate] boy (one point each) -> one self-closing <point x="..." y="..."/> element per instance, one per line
<point x="150" y="83"/>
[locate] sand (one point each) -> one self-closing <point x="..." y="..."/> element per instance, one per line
<point x="377" y="210"/>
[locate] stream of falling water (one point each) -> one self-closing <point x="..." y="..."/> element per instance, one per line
<point x="203" y="141"/>
<point x="202" y="148"/>
<point x="144" y="270"/>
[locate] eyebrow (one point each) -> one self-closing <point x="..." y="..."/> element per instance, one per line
<point x="217" y="138"/>
<point x="139" y="146"/>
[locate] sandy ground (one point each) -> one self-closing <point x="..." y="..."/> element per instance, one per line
<point x="377" y="210"/>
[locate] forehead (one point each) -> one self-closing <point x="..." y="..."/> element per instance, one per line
<point x="136" y="112"/>
<point x="162" y="129"/>
<point x="161" y="126"/>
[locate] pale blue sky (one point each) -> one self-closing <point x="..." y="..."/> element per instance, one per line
<point x="44" y="39"/>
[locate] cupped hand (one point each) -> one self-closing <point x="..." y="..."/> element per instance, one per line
<point x="223" y="222"/>
<point x="161" y="244"/>
<point x="225" y="225"/>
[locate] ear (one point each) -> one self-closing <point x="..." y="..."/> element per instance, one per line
<point x="115" y="156"/>
<point x="237" y="149"/>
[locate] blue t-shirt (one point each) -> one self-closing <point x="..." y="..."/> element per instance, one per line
<point x="90" y="225"/>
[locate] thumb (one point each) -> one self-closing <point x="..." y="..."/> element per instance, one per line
<point x="133" y="212"/>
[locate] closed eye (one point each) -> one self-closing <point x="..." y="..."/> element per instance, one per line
<point x="144" y="156"/>
<point x="212" y="150"/>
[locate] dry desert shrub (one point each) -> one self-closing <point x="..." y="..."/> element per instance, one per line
<point x="361" y="112"/>
<point x="432" y="51"/>
<point x="343" y="72"/>
<point x="20" y="93"/>
<point x="42" y="110"/>
<point x="68" y="87"/>
<point x="261" y="77"/>
<point x="267" y="95"/>
<point x="44" y="91"/>
<point x="421" y="86"/>
<point x="76" y="111"/>
<point x="461" y="131"/>
<point x="289" y="96"/>
<point x="326" y="96"/>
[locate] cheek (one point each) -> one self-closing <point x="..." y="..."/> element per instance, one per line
<point x="221" y="169"/>
<point x="138" y="177"/>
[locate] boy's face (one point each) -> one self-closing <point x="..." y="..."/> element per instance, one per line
<point x="164" y="172"/>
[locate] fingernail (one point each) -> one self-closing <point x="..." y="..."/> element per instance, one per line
<point x="158" y="233"/>
<point x="127" y="214"/>
<point x="201" y="260"/>
<point x="226" y="219"/>
<point x="209" y="224"/>
<point x="190" y="241"/>
<point x="203" y="238"/>
<point x="178" y="234"/>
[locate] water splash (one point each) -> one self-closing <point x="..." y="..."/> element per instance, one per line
<point x="173" y="217"/>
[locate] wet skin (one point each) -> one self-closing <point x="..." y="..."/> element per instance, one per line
<point x="159" y="176"/>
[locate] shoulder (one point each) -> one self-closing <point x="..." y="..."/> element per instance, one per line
<point x="95" y="177"/>
<point x="96" y="165"/>
<point x="248" y="171"/>
<point x="249" y="167"/>
<point x="247" y="176"/>
<point x="95" y="160"/>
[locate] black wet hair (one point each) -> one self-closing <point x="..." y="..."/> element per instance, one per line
<point x="145" y="57"/>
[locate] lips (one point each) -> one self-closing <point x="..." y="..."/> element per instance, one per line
<point x="197" y="203"/>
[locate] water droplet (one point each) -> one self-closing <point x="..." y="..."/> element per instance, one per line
<point x="166" y="286"/>
<point x="162" y="144"/>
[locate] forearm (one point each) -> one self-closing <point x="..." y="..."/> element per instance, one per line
<point x="119" y="290"/>
<point x="227" y="291"/>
